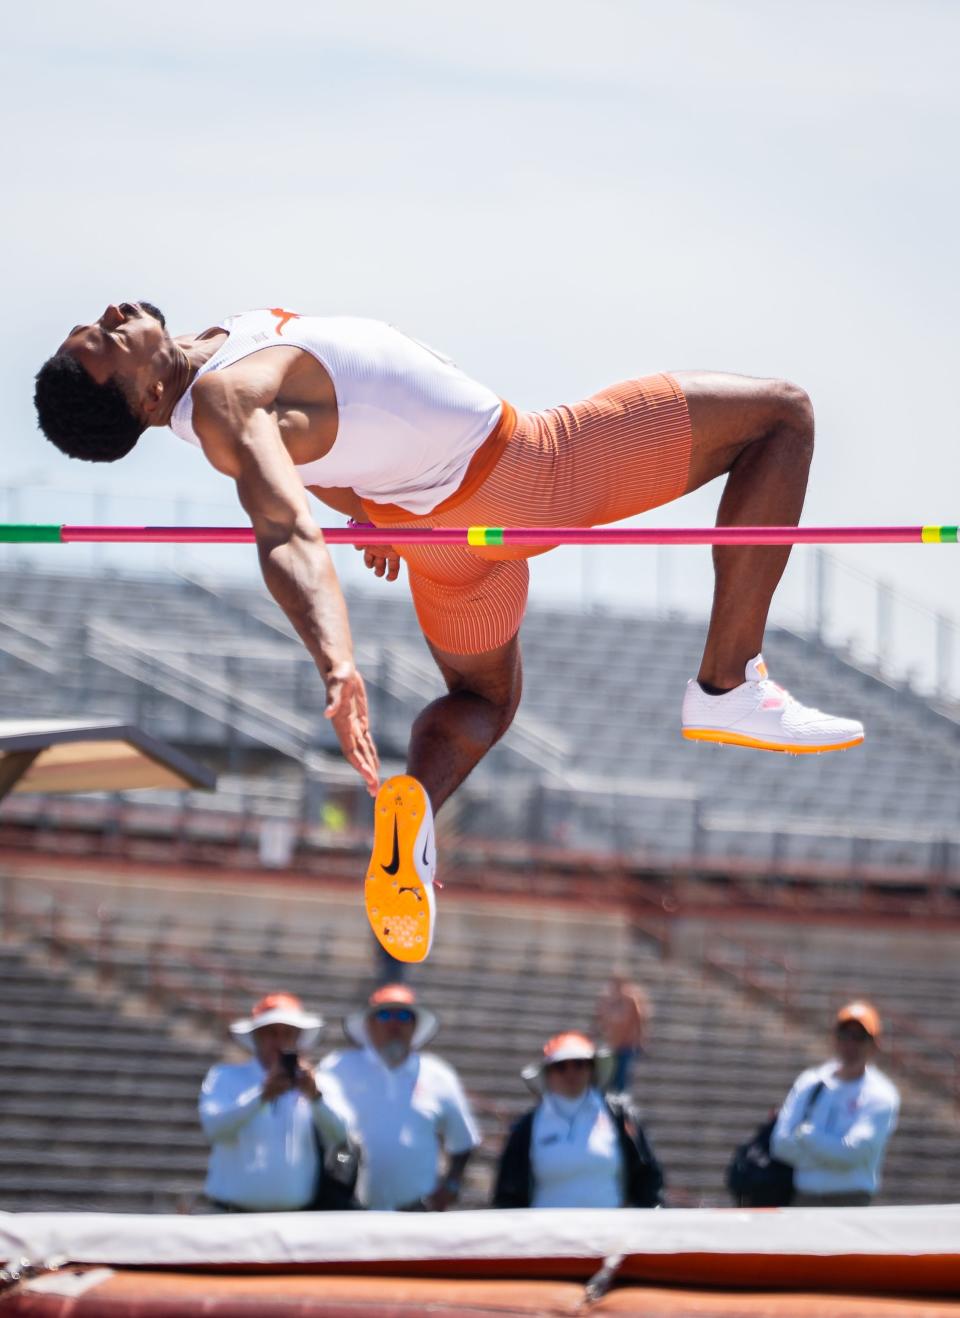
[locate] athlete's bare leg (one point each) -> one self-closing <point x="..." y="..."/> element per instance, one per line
<point x="761" y="433"/>
<point x="454" y="733"/>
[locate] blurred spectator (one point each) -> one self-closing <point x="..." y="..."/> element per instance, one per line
<point x="837" y="1142"/>
<point x="406" y="1106"/>
<point x="623" y="1014"/>
<point x="578" y="1148"/>
<point x="269" y="1125"/>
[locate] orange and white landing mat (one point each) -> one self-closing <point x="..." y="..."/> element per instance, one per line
<point x="701" y="1263"/>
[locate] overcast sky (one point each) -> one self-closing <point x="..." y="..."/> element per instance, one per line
<point x="557" y="194"/>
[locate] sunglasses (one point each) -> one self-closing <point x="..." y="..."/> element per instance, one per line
<point x="571" y="1064"/>
<point x="402" y="1014"/>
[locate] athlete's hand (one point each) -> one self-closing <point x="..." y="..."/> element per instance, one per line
<point x="347" y="711"/>
<point x="382" y="559"/>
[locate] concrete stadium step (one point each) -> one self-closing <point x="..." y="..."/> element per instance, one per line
<point x="128" y="1145"/>
<point x="124" y="1038"/>
<point x="124" y="1169"/>
<point x="117" y="1111"/>
<point x="132" y="1077"/>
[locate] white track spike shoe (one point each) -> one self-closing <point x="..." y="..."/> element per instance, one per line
<point x="763" y="716"/>
<point x="399" y="887"/>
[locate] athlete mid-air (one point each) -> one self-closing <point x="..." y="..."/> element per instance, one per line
<point x="387" y="431"/>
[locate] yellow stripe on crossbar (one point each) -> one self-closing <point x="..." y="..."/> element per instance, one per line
<point x="476" y="535"/>
<point x="930" y="535"/>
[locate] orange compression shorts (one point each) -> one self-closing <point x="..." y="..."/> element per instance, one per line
<point x="616" y="454"/>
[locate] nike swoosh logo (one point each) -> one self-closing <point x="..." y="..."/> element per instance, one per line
<point x="395" y="861"/>
<point x="425" y="861"/>
<point x="416" y="892"/>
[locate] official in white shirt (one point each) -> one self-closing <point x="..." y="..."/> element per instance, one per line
<point x="836" y="1148"/>
<point x="408" y="1109"/>
<point x="579" y="1147"/>
<point x="263" y="1117"/>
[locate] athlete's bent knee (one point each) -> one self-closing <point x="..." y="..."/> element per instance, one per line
<point x="794" y="408"/>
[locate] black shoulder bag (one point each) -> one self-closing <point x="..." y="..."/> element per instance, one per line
<point x="755" y="1178"/>
<point x="337" y="1170"/>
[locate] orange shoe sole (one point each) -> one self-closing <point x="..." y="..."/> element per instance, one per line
<point x="724" y="738"/>
<point x="400" y="906"/>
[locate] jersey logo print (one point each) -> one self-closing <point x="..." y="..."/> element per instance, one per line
<point x="395" y="859"/>
<point x="283" y="316"/>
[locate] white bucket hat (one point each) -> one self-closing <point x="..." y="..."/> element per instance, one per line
<point x="392" y="995"/>
<point x="570" y="1046"/>
<point x="278" y="1009"/>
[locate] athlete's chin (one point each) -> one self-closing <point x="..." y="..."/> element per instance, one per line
<point x="153" y="310"/>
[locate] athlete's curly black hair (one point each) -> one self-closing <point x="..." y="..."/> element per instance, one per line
<point x="84" y="419"/>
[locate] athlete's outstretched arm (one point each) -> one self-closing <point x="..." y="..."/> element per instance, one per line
<point x="244" y="442"/>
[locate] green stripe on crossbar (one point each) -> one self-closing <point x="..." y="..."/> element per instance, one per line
<point x="493" y="535"/>
<point x="948" y="535"/>
<point x="18" y="533"/>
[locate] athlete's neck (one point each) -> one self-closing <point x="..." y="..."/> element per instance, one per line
<point x="189" y="353"/>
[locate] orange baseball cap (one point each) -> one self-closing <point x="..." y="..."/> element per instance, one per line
<point x="864" y="1014"/>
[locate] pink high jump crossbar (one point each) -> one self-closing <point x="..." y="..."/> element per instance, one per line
<point x="491" y="536"/>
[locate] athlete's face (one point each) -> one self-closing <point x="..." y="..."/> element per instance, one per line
<point x="127" y="343"/>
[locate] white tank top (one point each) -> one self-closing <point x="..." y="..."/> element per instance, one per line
<point x="409" y="420"/>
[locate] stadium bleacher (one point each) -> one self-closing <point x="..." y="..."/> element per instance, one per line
<point x="594" y="765"/>
<point x="103" y="1045"/>
<point x="595" y="758"/>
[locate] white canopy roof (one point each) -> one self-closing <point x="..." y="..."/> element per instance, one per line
<point x="61" y="755"/>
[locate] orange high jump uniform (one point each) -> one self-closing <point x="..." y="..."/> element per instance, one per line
<point x="618" y="453"/>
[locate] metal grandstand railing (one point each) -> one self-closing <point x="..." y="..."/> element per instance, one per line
<point x="249" y="712"/>
<point x="398" y="672"/>
<point x="25" y="643"/>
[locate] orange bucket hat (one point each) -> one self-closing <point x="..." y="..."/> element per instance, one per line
<point x="278" y="1009"/>
<point x="392" y="995"/>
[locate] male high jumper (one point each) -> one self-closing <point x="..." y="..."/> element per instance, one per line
<point x="387" y="431"/>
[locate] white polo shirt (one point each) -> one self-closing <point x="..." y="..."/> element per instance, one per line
<point x="402" y="1116"/>
<point x="838" y="1147"/>
<point x="264" y="1155"/>
<point x="575" y="1155"/>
